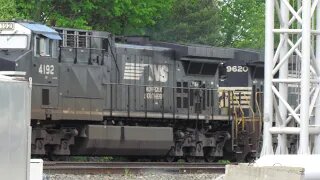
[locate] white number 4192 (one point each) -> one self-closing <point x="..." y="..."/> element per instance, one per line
<point x="46" y="69"/>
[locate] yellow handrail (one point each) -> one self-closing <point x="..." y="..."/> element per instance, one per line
<point x="253" y="115"/>
<point x="251" y="109"/>
<point x="235" y="121"/>
<point x="258" y="105"/>
<point x="259" y="110"/>
<point x="240" y="107"/>
<point x="236" y="102"/>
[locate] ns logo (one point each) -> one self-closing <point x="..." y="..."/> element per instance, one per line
<point x="157" y="72"/>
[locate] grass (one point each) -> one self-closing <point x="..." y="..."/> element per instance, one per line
<point x="222" y="161"/>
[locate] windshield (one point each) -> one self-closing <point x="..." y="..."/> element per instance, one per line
<point x="13" y="41"/>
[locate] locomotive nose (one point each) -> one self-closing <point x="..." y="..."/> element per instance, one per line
<point x="9" y="59"/>
<point x="7" y="64"/>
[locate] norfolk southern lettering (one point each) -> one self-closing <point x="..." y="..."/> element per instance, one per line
<point x="156" y="72"/>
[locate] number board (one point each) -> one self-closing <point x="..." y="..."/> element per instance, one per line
<point x="46" y="69"/>
<point x="237" y="69"/>
<point x="6" y="26"/>
<point x="237" y="73"/>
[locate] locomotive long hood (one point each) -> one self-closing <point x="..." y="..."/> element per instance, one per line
<point x="9" y="58"/>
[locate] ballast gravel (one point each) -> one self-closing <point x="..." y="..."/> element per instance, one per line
<point x="145" y="176"/>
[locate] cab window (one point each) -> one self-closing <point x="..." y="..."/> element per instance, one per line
<point x="43" y="46"/>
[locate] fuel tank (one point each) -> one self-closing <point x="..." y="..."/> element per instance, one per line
<point x="124" y="140"/>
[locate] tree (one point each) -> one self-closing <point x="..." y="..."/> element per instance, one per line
<point x="243" y="23"/>
<point x="190" y="21"/>
<point x="116" y="16"/>
<point x="64" y="13"/>
<point x="233" y="23"/>
<point x="7" y="10"/>
<point x="128" y="16"/>
<point x="228" y="23"/>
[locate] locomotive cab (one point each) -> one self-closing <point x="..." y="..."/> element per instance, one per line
<point x="24" y="42"/>
<point x="14" y="45"/>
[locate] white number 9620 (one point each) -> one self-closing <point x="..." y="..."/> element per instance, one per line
<point x="46" y="69"/>
<point x="237" y="68"/>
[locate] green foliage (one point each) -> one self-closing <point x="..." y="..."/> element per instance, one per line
<point x="127" y="172"/>
<point x="190" y="21"/>
<point x="64" y="13"/>
<point x="224" y="161"/>
<point x="128" y="16"/>
<point x="116" y="16"/>
<point x="79" y="158"/>
<point x="243" y="23"/>
<point x="105" y="159"/>
<point x="7" y="10"/>
<point x="233" y="23"/>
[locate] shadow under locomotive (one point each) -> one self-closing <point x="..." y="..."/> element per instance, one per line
<point x="93" y="96"/>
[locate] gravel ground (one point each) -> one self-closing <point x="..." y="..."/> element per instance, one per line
<point x="146" y="176"/>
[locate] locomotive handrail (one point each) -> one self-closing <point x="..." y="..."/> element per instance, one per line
<point x="145" y="85"/>
<point x="259" y="110"/>
<point x="253" y="115"/>
<point x="114" y="59"/>
<point x="258" y="104"/>
<point x="81" y="35"/>
<point x="240" y="107"/>
<point x="82" y="48"/>
<point x="89" y="36"/>
<point x="236" y="121"/>
<point x="253" y="122"/>
<point x="236" y="113"/>
<point x="163" y="112"/>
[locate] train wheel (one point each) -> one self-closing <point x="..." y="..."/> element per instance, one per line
<point x="208" y="154"/>
<point x="250" y="157"/>
<point x="209" y="159"/>
<point x="190" y="159"/>
<point x="170" y="157"/>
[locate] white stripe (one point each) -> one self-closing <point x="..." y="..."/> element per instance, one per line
<point x="135" y="78"/>
<point x="242" y="105"/>
<point x="136" y="64"/>
<point x="133" y="71"/>
<point x="235" y="88"/>
<point x="13" y="73"/>
<point x="132" y="74"/>
<point x="242" y="93"/>
<point x="137" y="68"/>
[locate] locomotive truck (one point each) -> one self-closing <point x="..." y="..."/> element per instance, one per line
<point x="97" y="94"/>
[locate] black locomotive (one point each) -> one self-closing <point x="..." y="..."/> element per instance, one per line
<point x="96" y="94"/>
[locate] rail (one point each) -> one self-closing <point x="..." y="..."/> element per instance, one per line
<point x="132" y="167"/>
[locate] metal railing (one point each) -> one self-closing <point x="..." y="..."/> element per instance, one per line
<point x="165" y="101"/>
<point x="242" y="117"/>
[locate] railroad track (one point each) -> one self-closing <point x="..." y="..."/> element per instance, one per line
<point x="130" y="167"/>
